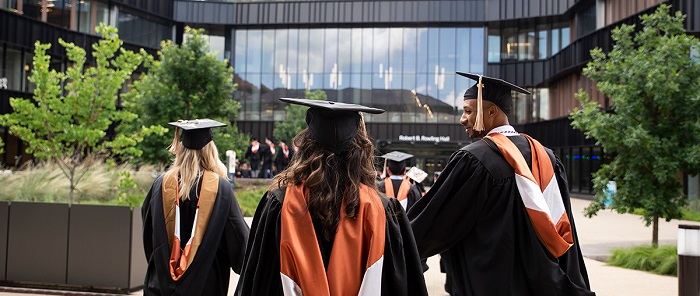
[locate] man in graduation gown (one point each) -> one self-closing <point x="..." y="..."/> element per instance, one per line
<point x="192" y="244"/>
<point x="500" y="212"/>
<point x="397" y="184"/>
<point x="372" y="253"/>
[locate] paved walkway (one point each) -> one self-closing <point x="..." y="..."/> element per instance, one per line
<point x="597" y="236"/>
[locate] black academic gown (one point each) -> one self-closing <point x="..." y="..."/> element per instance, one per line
<point x="221" y="250"/>
<point x="414" y="193"/>
<point x="475" y="217"/>
<point x="401" y="272"/>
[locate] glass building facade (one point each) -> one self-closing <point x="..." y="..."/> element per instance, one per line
<point x="410" y="72"/>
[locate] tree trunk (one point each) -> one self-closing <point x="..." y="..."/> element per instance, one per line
<point x="655" y="231"/>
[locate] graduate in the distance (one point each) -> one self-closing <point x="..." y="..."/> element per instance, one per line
<point x="397" y="184"/>
<point x="323" y="229"/>
<point x="500" y="212"/>
<point x="193" y="229"/>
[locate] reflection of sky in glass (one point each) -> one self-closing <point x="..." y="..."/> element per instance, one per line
<point x="373" y="66"/>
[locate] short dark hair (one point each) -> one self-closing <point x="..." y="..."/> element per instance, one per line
<point x="396" y="167"/>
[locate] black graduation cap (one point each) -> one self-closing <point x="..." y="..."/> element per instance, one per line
<point x="395" y="161"/>
<point x="332" y="124"/>
<point x="496" y="90"/>
<point x="195" y="133"/>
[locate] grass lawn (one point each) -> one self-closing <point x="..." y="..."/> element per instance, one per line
<point x="249" y="196"/>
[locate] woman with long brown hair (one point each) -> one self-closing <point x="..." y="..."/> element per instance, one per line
<point x="193" y="229"/>
<point x="323" y="229"/>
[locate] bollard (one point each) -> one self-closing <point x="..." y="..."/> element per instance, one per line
<point x="688" y="260"/>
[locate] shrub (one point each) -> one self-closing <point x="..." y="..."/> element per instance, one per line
<point x="662" y="260"/>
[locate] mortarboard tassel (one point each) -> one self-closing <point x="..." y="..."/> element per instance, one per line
<point x="479" y="124"/>
<point x="173" y="145"/>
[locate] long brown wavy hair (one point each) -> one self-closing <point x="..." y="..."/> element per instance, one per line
<point x="329" y="177"/>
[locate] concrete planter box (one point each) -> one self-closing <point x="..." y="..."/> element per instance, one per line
<point x="79" y="247"/>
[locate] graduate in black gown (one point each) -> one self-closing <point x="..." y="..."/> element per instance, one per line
<point x="399" y="184"/>
<point x="324" y="229"/>
<point x="193" y="229"/>
<point x="500" y="212"/>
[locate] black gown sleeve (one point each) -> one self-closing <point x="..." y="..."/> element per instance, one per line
<point x="454" y="202"/>
<point x="235" y="236"/>
<point x="261" y="265"/>
<point x="402" y="272"/>
<point x="572" y="261"/>
<point x="146" y="215"/>
<point x="380" y="187"/>
<point x="413" y="196"/>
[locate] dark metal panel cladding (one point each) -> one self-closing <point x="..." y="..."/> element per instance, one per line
<point x="332" y="12"/>
<point x="37" y="243"/>
<point x="163" y="8"/>
<point x="4" y="219"/>
<point x="99" y="245"/>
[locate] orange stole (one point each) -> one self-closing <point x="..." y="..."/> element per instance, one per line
<point x="181" y="259"/>
<point x="359" y="243"/>
<point x="540" y="194"/>
<point x="403" y="189"/>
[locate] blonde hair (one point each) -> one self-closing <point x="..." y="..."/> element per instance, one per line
<point x="191" y="165"/>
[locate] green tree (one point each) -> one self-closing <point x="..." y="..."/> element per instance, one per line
<point x="295" y="118"/>
<point x="186" y="82"/>
<point x="68" y="124"/>
<point x="653" y="127"/>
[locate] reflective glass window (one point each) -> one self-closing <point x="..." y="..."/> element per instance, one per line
<point x="330" y="60"/>
<point x="434" y="50"/>
<point x="476" y="52"/>
<point x="254" y="51"/>
<point x="356" y="51"/>
<point x="345" y="46"/>
<point x="303" y="54"/>
<point x="32" y="9"/>
<point x="463" y="48"/>
<point x="316" y="50"/>
<point x="555" y="45"/>
<point x="494" y="45"/>
<point x="565" y="37"/>
<point x="281" y="51"/>
<point x="422" y="45"/>
<point x="101" y="13"/>
<point x="407" y="71"/>
<point x="84" y="11"/>
<point x="10" y="5"/>
<point x="58" y="13"/>
<point x="396" y="51"/>
<point x="133" y="28"/>
<point x="240" y="58"/>
<point x="448" y="53"/>
<point x="543" y="98"/>
<point x="293" y="51"/>
<point x="408" y="45"/>
<point x="14" y="69"/>
<point x="27" y="71"/>
<point x="542" y="44"/>
<point x="267" y="64"/>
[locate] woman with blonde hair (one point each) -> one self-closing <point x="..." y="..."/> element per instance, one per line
<point x="324" y="229"/>
<point x="193" y="229"/>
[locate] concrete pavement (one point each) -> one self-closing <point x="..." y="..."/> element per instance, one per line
<point x="597" y="236"/>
